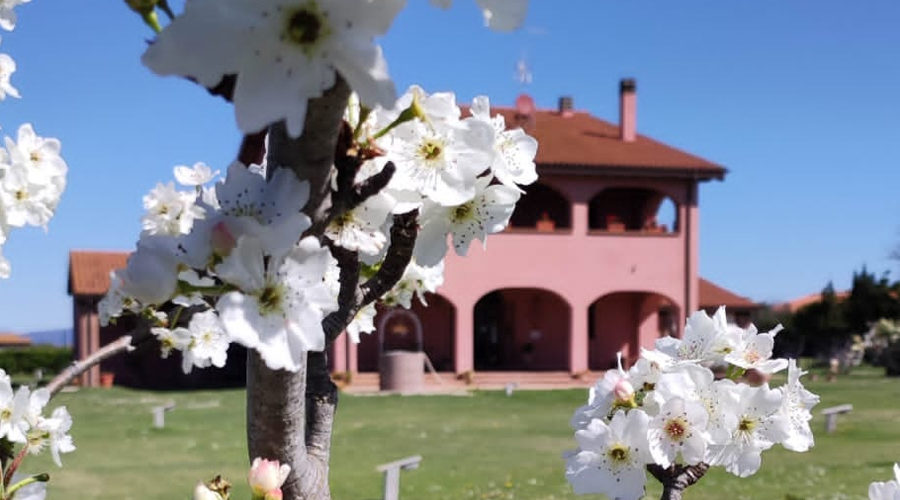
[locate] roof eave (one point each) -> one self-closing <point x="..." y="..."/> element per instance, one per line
<point x="695" y="173"/>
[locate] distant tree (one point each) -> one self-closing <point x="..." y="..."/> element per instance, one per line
<point x="823" y="324"/>
<point x="870" y="299"/>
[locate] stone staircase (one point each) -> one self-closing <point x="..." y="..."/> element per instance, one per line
<point x="448" y="382"/>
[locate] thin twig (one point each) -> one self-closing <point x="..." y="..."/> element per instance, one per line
<point x="122" y="344"/>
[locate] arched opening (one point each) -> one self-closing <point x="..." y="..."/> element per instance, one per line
<point x="542" y="208"/>
<point x="521" y="329"/>
<point x="642" y="210"/>
<point x="438" y="320"/>
<point x="626" y="321"/>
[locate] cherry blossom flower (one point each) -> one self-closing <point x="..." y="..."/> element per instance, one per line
<point x="41" y="157"/>
<point x="169" y="211"/>
<point x="13" y="410"/>
<point x="25" y="201"/>
<point x="52" y="432"/>
<point x="207" y="342"/>
<point x="7" y="68"/>
<point x="753" y="351"/>
<point x="283" y="52"/>
<point x="151" y="273"/>
<point x="611" y="457"/>
<point x="706" y="340"/>
<point x="680" y="427"/>
<point x="613" y="391"/>
<point x="417" y="280"/>
<point x="360" y="229"/>
<point x="512" y="152"/>
<point x="759" y="426"/>
<point x="696" y="383"/>
<point x="796" y="404"/>
<point x="281" y="303"/>
<point x="486" y="213"/>
<point x="8" y="16"/>
<point x="886" y="490"/>
<point x="197" y="175"/>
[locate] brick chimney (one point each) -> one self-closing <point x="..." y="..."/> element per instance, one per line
<point x="628" y="109"/>
<point x="566" y="106"/>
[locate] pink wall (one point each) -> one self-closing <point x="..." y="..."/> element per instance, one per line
<point x="578" y="266"/>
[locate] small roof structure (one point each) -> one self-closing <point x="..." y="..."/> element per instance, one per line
<point x="713" y="296"/>
<point x="577" y="142"/>
<point x="89" y="270"/>
<point x="9" y="339"/>
<point x="795" y="304"/>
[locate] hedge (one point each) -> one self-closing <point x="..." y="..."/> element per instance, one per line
<point x="27" y="359"/>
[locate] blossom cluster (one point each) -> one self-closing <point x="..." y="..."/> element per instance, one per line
<point x="232" y="253"/>
<point x="283" y="53"/>
<point x="670" y="408"/>
<point x="265" y="478"/>
<point x="886" y="490"/>
<point x="22" y="422"/>
<point x="32" y="172"/>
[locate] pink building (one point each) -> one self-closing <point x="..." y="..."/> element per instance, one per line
<point x="601" y="256"/>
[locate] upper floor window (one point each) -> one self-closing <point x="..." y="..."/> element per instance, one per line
<point x="637" y="210"/>
<point x="542" y="208"/>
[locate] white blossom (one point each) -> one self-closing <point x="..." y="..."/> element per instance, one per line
<point x="706" y="340"/>
<point x="886" y="490"/>
<point x="25" y="201"/>
<point x="41" y="156"/>
<point x="283" y="53"/>
<point x="280" y="306"/>
<point x="416" y="281"/>
<point x="796" y="403"/>
<point x="207" y="344"/>
<point x="613" y="391"/>
<point x="680" y="427"/>
<point x="753" y="351"/>
<point x="197" y="175"/>
<point x="7" y="68"/>
<point x="169" y="211"/>
<point x="8" y="16"/>
<point x="759" y="426"/>
<point x="52" y="432"/>
<point x="13" y="410"/>
<point x="151" y="273"/>
<point x="511" y="152"/>
<point x="611" y="457"/>
<point x="486" y="213"/>
<point x="360" y="229"/>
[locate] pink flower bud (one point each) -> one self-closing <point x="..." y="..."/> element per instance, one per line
<point x="221" y="239"/>
<point x="267" y="476"/>
<point x="623" y="390"/>
<point x="273" y="494"/>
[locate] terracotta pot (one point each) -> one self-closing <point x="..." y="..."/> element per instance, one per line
<point x="106" y="379"/>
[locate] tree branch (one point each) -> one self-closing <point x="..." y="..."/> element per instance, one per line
<point x="676" y="478"/>
<point x="403" y="239"/>
<point x="122" y="344"/>
<point x="349" y="295"/>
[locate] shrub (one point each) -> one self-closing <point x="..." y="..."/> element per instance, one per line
<point x="27" y="359"/>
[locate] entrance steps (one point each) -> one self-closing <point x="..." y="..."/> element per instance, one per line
<point x="367" y="382"/>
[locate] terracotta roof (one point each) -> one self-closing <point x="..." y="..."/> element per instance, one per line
<point x="712" y="295"/>
<point x="796" y="304"/>
<point x="577" y="141"/>
<point x="8" y="339"/>
<point x="89" y="270"/>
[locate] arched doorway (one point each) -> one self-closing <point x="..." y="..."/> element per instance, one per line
<point x="626" y="321"/>
<point x="521" y="329"/>
<point x="626" y="209"/>
<point x="438" y="320"/>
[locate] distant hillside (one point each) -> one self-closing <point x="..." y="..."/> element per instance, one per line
<point x="61" y="338"/>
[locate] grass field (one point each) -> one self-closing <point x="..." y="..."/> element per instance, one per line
<point x="484" y="446"/>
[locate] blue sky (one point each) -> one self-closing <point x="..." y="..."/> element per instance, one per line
<point x="798" y="99"/>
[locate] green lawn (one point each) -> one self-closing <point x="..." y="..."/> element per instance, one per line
<point x="485" y="446"/>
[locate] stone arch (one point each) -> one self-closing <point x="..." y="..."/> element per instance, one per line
<point x="522" y="329"/>
<point x="625" y="321"/>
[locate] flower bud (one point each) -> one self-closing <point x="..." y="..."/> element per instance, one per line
<point x="267" y="476"/>
<point x="623" y="390"/>
<point x="221" y="240"/>
<point x="201" y="492"/>
<point x="273" y="494"/>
